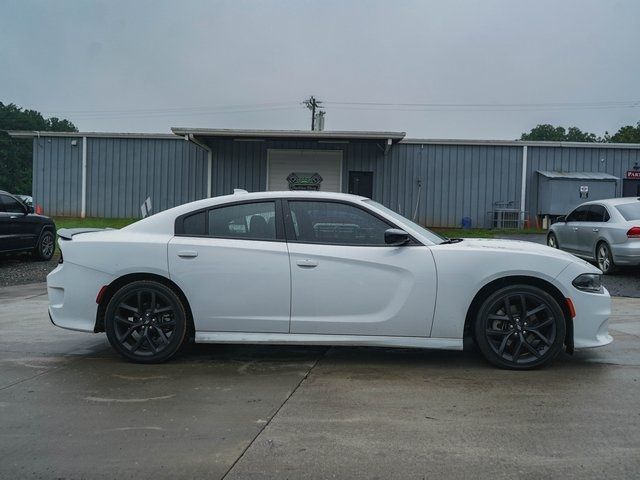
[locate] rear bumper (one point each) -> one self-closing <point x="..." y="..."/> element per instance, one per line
<point x="72" y="291"/>
<point x="626" y="253"/>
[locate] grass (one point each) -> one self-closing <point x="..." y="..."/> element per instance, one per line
<point x="483" y="233"/>
<point x="77" y="222"/>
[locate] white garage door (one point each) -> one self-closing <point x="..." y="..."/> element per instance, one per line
<point x="326" y="163"/>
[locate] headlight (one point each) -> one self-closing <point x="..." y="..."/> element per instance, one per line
<point x="589" y="282"/>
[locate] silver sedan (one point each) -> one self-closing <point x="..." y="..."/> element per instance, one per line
<point x="604" y="231"/>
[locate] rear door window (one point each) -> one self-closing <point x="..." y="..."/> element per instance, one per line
<point x="579" y="214"/>
<point x="597" y="213"/>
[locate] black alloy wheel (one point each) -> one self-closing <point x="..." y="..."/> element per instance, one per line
<point x="146" y="322"/>
<point x="520" y="327"/>
<point x="46" y="246"/>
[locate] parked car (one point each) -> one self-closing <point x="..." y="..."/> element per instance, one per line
<point x="604" y="231"/>
<point x="23" y="231"/>
<point x="324" y="269"/>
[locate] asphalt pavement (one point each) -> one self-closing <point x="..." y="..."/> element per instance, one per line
<point x="70" y="408"/>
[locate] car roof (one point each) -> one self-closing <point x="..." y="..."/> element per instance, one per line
<point x="612" y="202"/>
<point x="243" y="194"/>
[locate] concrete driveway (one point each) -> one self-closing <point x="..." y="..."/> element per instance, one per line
<point x="70" y="408"/>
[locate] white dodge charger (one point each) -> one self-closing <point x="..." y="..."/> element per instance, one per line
<point x="323" y="269"/>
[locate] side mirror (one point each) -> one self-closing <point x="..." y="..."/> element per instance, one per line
<point x="30" y="209"/>
<point x="395" y="236"/>
<point x="561" y="219"/>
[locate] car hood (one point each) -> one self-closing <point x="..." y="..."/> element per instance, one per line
<point x="519" y="246"/>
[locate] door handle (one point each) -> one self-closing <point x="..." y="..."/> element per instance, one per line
<point x="596" y="229"/>
<point x="307" y="263"/>
<point x="575" y="229"/>
<point x="187" y="254"/>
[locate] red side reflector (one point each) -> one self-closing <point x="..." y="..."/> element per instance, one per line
<point x="634" y="232"/>
<point x="572" y="309"/>
<point x="100" y="294"/>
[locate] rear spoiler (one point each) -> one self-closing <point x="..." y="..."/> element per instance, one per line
<point x="68" y="233"/>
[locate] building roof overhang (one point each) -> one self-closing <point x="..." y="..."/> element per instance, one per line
<point x="341" y="136"/>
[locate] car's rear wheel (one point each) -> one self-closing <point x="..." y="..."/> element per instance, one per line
<point x="146" y="322"/>
<point x="46" y="246"/>
<point x="520" y="327"/>
<point x="605" y="259"/>
<point x="552" y="240"/>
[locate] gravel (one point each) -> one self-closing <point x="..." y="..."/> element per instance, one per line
<point x="22" y="269"/>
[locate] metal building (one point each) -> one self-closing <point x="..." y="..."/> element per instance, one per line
<point x="436" y="182"/>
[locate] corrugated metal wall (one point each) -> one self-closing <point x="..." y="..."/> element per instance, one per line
<point x="121" y="174"/>
<point x="57" y="175"/>
<point x="615" y="161"/>
<point x="457" y="180"/>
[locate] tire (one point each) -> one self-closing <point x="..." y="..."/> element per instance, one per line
<point x="146" y="322"/>
<point x="508" y="340"/>
<point x="46" y="246"/>
<point x="552" y="240"/>
<point x="604" y="258"/>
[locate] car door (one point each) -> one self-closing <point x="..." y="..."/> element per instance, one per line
<point x="588" y="231"/>
<point x="574" y="221"/>
<point x="13" y="228"/>
<point x="346" y="280"/>
<point x="232" y="264"/>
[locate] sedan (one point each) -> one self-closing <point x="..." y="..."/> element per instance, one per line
<point x="320" y="268"/>
<point x="23" y="231"/>
<point x="604" y="231"/>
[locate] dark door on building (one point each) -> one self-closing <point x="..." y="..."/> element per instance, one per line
<point x="630" y="188"/>
<point x="361" y="183"/>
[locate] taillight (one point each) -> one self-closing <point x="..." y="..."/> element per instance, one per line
<point x="634" y="232"/>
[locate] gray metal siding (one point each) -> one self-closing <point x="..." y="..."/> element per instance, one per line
<point x="122" y="173"/>
<point x="57" y="175"/>
<point x="615" y="161"/>
<point x="458" y="181"/>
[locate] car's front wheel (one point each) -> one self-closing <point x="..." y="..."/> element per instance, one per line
<point x="552" y="240"/>
<point x="520" y="327"/>
<point x="46" y="246"/>
<point x="146" y="322"/>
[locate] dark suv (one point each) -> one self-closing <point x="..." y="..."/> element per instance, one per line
<point x="22" y="230"/>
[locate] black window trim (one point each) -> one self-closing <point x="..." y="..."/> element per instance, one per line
<point x="280" y="235"/>
<point x="290" y="231"/>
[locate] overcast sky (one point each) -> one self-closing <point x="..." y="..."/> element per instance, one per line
<point x="145" y="66"/>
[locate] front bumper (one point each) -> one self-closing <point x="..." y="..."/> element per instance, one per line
<point x="72" y="291"/>
<point x="591" y="323"/>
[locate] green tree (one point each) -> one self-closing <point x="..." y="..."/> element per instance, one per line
<point x="546" y="132"/>
<point x="16" y="154"/>
<point x="627" y="134"/>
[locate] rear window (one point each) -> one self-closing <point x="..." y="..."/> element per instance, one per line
<point x="630" y="211"/>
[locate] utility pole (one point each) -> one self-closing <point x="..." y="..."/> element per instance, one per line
<point x="312" y="104"/>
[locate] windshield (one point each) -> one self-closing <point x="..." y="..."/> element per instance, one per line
<point x="630" y="211"/>
<point x="434" y="237"/>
